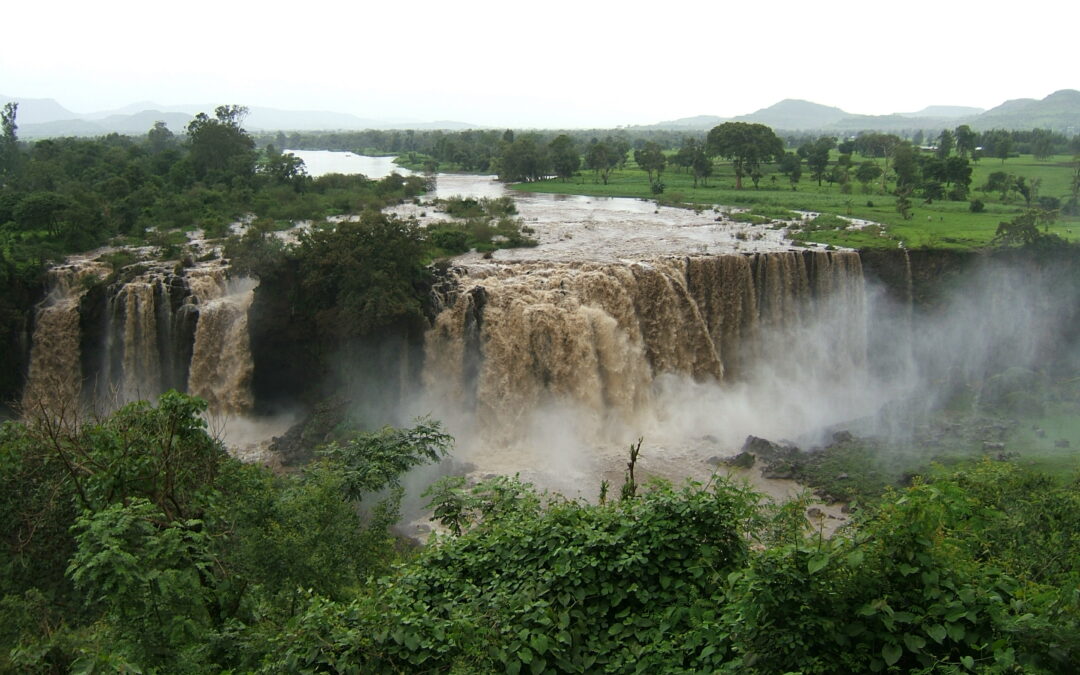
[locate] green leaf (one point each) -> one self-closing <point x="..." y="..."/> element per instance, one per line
<point x="956" y="631"/>
<point x="968" y="662"/>
<point x="891" y="653"/>
<point x="817" y="562"/>
<point x="539" y="643"/>
<point x="937" y="632"/>
<point x="914" y="643"/>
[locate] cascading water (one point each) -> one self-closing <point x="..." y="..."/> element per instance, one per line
<point x="55" y="381"/>
<point x="221" y="364"/>
<point x="160" y="329"/>
<point x="601" y="339"/>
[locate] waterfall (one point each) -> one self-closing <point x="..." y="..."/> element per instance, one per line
<point x="55" y="383"/>
<point x="598" y="336"/>
<point x="157" y="329"/>
<point x="221" y="364"/>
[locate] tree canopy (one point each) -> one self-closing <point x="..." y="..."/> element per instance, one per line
<point x="746" y="145"/>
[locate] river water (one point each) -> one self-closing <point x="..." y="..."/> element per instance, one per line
<point x="574" y="228"/>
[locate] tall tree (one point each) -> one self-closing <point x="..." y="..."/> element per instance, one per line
<point x="565" y="159"/>
<point x="817" y="157"/>
<point x="966" y="140"/>
<point x="946" y="142"/>
<point x="602" y="159"/>
<point x="791" y="166"/>
<point x="746" y="145"/>
<point x="651" y="158"/>
<point x="221" y="151"/>
<point x="9" y="142"/>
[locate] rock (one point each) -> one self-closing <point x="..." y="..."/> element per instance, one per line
<point x="1041" y="433"/>
<point x="716" y="460"/>
<point x="743" y="460"/>
<point x="766" y="449"/>
<point x="992" y="447"/>
<point x="842" y="476"/>
<point x="1061" y="443"/>
<point x="843" y="437"/>
<point x="815" y="513"/>
<point x="846" y="508"/>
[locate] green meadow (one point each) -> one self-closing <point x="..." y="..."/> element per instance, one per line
<point x="939" y="224"/>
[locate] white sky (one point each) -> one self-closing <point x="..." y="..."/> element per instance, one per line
<point x="552" y="63"/>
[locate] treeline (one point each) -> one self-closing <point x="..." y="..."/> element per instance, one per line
<point x="136" y="544"/>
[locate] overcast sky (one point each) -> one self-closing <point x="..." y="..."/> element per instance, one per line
<point x="553" y="63"/>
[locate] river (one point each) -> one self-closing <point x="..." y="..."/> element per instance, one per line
<point x="574" y="227"/>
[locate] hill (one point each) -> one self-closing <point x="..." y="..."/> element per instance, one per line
<point x="1059" y="111"/>
<point x="796" y="114"/>
<point x="944" y="111"/>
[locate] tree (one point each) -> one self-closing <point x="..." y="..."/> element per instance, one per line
<point x="651" y="158"/>
<point x="684" y="158"/>
<point x="565" y="160"/>
<point x="602" y="159"/>
<point x="791" y="166"/>
<point x="866" y="173"/>
<point x="1024" y="229"/>
<point x="998" y="143"/>
<point x="817" y="157"/>
<point x="524" y="159"/>
<point x="1042" y="144"/>
<point x="946" y="142"/>
<point x="221" y="151"/>
<point x="702" y="166"/>
<point x="285" y="168"/>
<point x="9" y="142"/>
<point x="966" y="140"/>
<point x="42" y="211"/>
<point x="905" y="166"/>
<point x="160" y="138"/>
<point x="746" y="145"/>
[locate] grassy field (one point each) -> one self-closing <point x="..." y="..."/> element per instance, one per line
<point x="941" y="224"/>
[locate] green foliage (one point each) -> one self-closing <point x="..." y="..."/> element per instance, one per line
<point x="175" y="557"/>
<point x="567" y="587"/>
<point x="359" y="277"/>
<point x="746" y="145"/>
<point x="374" y="461"/>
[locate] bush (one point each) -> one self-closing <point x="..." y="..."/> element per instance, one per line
<point x="976" y="206"/>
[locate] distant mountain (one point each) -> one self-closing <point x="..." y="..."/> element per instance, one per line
<point x="128" y="125"/>
<point x="944" y="112"/>
<point x="38" y="110"/>
<point x="795" y="114"/>
<point x="698" y="122"/>
<point x="41" y="118"/>
<point x="1059" y="111"/>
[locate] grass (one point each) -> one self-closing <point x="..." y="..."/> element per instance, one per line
<point x="939" y="225"/>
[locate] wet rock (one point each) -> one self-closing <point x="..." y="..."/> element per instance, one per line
<point x="715" y="460"/>
<point x="815" y="513"/>
<point x="743" y="460"/>
<point x="766" y="449"/>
